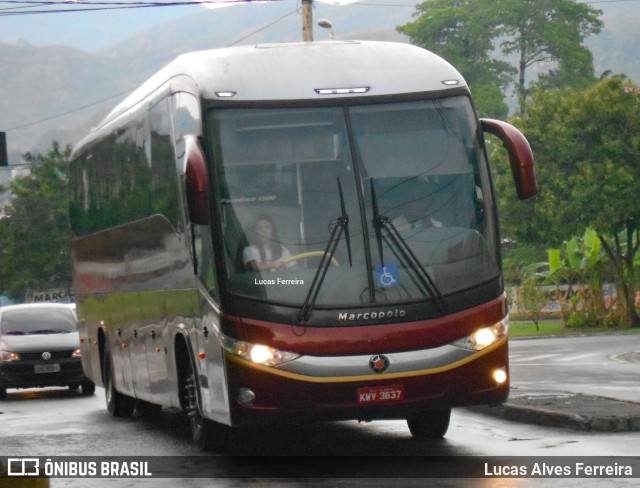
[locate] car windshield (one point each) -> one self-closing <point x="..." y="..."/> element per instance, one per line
<point x="403" y="188"/>
<point x="30" y="321"/>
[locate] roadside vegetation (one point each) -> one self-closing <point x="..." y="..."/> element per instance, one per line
<point x="555" y="328"/>
<point x="34" y="228"/>
<point x="582" y="231"/>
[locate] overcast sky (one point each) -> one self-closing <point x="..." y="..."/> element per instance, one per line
<point x="95" y="30"/>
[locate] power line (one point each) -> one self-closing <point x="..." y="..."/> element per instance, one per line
<point x="69" y="7"/>
<point x="262" y="28"/>
<point x="72" y="6"/>
<point x="39" y="4"/>
<point x="84" y="107"/>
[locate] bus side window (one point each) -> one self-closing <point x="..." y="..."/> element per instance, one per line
<point x="203" y="248"/>
<point x="163" y="188"/>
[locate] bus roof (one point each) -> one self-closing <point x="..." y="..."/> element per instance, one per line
<point x="301" y="71"/>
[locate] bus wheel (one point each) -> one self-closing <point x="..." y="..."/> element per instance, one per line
<point x="118" y="405"/>
<point x="432" y="424"/>
<point x="202" y="429"/>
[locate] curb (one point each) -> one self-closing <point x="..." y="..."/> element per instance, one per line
<point x="568" y="410"/>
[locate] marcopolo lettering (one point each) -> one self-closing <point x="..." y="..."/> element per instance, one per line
<point x="376" y="315"/>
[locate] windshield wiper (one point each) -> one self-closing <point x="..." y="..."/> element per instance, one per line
<point x="341" y="225"/>
<point x="393" y="236"/>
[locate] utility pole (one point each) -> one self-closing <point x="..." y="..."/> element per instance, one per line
<point x="307" y="20"/>
<point x="4" y="158"/>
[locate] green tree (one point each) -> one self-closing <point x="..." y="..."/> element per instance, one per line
<point x="587" y="147"/>
<point x="34" y="239"/>
<point x="462" y="32"/>
<point x="531" y="31"/>
<point x="549" y="31"/>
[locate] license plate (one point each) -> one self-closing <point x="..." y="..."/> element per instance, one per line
<point x="47" y="368"/>
<point x="381" y="394"/>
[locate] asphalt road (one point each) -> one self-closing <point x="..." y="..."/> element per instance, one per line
<point x="57" y="422"/>
<point x="599" y="365"/>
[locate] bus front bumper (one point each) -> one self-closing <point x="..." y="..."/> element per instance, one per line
<point x="264" y="395"/>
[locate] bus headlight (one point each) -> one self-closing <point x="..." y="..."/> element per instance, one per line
<point x="256" y="353"/>
<point x="482" y="338"/>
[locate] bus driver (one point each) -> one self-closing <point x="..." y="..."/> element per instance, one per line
<point x="267" y="253"/>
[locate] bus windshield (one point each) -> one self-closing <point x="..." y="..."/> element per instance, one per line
<point x="407" y="183"/>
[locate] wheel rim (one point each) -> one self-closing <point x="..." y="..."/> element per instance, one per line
<point x="191" y="400"/>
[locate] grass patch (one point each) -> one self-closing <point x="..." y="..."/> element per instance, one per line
<point x="555" y="328"/>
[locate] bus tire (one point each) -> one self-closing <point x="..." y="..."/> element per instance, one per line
<point x="3" y="393"/>
<point x="432" y="424"/>
<point x="118" y="404"/>
<point x="202" y="429"/>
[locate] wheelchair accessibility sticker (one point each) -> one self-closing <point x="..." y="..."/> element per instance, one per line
<point x="387" y="275"/>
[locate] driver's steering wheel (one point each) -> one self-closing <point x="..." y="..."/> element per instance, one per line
<point x="310" y="254"/>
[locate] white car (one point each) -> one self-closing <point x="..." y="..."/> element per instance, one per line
<point x="40" y="346"/>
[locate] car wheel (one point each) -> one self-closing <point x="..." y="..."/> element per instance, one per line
<point x="88" y="388"/>
<point x="3" y="393"/>
<point x="431" y="424"/>
<point x="118" y="404"/>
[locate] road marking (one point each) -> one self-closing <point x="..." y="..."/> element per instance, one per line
<point x="581" y="356"/>
<point x="533" y="358"/>
<point x="556" y="358"/>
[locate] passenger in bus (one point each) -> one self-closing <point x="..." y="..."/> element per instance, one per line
<point x="415" y="216"/>
<point x="267" y="253"/>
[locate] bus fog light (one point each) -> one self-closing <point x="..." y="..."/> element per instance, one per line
<point x="246" y="397"/>
<point x="500" y="376"/>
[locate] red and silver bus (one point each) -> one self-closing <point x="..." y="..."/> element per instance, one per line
<point x="294" y="232"/>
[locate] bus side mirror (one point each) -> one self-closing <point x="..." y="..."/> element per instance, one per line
<point x="520" y="156"/>
<point x="196" y="183"/>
